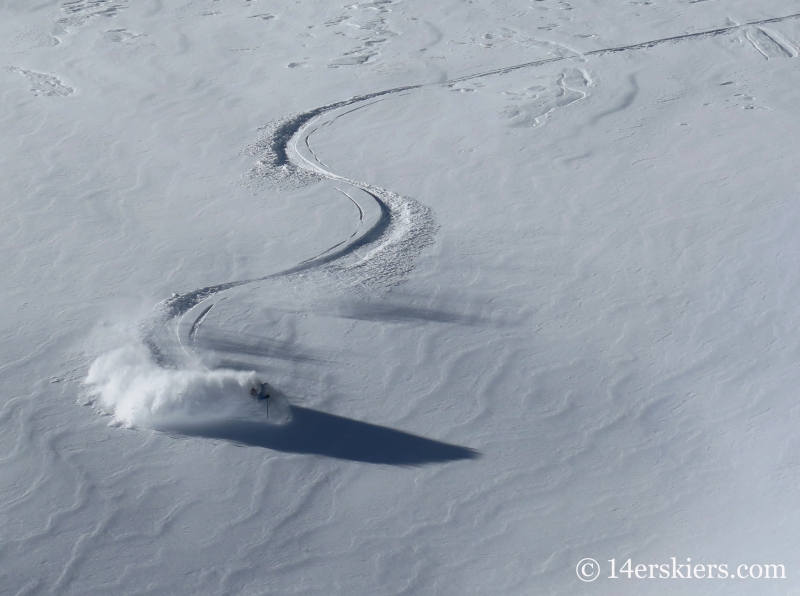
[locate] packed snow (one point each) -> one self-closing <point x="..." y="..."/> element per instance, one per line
<point x="520" y="278"/>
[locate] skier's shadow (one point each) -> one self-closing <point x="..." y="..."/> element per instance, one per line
<point x="317" y="433"/>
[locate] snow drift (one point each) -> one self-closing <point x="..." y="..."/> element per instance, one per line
<point x="128" y="385"/>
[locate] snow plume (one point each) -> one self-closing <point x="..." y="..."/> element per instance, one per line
<point x="126" y="384"/>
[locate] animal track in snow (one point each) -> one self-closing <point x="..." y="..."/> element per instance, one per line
<point x="353" y="60"/>
<point x="44" y="84"/>
<point x="504" y="37"/>
<point x="551" y="5"/>
<point x="82" y="11"/>
<point x="744" y="101"/>
<point x="540" y="101"/>
<point x="31" y="39"/>
<point x="335" y="21"/>
<point x="95" y="6"/>
<point x="370" y="30"/>
<point x="465" y="87"/>
<point x="121" y="36"/>
<point x="377" y="5"/>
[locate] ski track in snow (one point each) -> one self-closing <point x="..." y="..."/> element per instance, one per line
<point x="771" y="44"/>
<point x="383" y="254"/>
<point x="322" y="484"/>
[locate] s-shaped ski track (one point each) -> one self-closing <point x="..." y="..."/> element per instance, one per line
<point x="402" y="227"/>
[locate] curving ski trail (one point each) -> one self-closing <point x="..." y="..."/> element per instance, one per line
<point x="402" y="228"/>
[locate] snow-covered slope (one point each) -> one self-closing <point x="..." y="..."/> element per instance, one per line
<point x="521" y="274"/>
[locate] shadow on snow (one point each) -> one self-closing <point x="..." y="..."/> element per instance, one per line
<point x="317" y="433"/>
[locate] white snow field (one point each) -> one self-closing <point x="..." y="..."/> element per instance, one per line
<point x="521" y="276"/>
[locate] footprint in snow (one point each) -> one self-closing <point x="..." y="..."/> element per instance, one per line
<point x="44" y="84"/>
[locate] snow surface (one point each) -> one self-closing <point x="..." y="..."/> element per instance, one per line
<point x="523" y="275"/>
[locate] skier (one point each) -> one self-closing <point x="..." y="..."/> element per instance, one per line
<point x="260" y="394"/>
